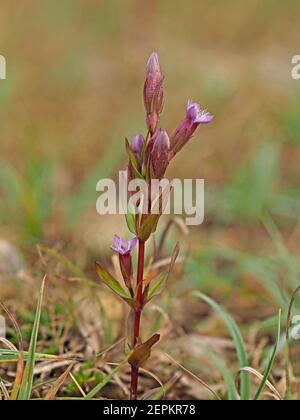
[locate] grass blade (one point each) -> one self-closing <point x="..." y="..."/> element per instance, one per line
<point x="107" y="378"/>
<point x="27" y="380"/>
<point x="12" y="356"/>
<point x="238" y="341"/>
<point x="271" y="361"/>
<point x="232" y="394"/>
<point x="273" y="391"/>
<point x="287" y="344"/>
<point x="20" y="365"/>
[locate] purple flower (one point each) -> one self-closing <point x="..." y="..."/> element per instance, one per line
<point x="193" y="118"/>
<point x="160" y="154"/>
<point x="196" y="115"/>
<point x="153" y="92"/>
<point x="122" y="247"/>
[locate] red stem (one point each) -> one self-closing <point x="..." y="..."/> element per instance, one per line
<point x="137" y="317"/>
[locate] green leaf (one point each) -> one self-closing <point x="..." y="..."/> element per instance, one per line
<point x="12" y="356"/>
<point x="238" y="341"/>
<point x="157" y="285"/>
<point x="131" y="217"/>
<point x="148" y="227"/>
<point x="27" y="380"/>
<point x="232" y="394"/>
<point x="142" y="352"/>
<point x="271" y="361"/>
<point x="110" y="281"/>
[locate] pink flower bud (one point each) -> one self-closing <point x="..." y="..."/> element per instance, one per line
<point x="160" y="154"/>
<point x="137" y="144"/>
<point x="153" y="93"/>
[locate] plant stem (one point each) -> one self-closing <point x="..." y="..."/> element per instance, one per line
<point x="137" y="317"/>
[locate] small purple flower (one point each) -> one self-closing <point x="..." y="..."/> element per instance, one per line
<point x="160" y="154"/>
<point x="194" y="117"/>
<point x="122" y="247"/>
<point x="153" y="92"/>
<point x="197" y="116"/>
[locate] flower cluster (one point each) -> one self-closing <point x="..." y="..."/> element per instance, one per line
<point x="150" y="156"/>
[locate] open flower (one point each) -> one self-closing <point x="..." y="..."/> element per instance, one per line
<point x="194" y="117"/>
<point x="124" y="249"/>
<point x="153" y="93"/>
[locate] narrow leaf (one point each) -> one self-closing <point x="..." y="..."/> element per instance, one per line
<point x="110" y="281"/>
<point x="271" y="361"/>
<point x="232" y="394"/>
<point x="20" y="365"/>
<point x="148" y="227"/>
<point x="104" y="381"/>
<point x="157" y="285"/>
<point x="12" y="356"/>
<point x="131" y="222"/>
<point x="238" y="341"/>
<point x="27" y="380"/>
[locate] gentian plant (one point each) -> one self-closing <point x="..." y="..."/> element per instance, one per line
<point x="149" y="158"/>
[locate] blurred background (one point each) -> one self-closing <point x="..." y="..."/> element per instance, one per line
<point x="75" y="72"/>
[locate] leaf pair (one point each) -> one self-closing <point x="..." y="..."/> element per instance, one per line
<point x="114" y="285"/>
<point x="158" y="205"/>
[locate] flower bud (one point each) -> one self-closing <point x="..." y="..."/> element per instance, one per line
<point x="136" y="146"/>
<point x="160" y="155"/>
<point x="153" y="93"/>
